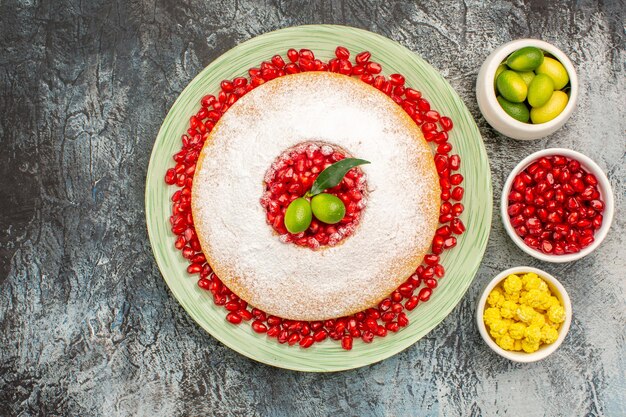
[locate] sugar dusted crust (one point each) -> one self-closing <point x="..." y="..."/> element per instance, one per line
<point x="395" y="230"/>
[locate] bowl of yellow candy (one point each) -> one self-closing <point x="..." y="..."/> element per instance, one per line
<point x="524" y="314"/>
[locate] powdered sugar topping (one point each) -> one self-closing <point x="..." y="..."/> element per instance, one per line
<point x="394" y="232"/>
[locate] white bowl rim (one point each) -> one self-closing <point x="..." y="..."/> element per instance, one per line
<point x="606" y="193"/>
<point x="501" y="54"/>
<point x="544" y="350"/>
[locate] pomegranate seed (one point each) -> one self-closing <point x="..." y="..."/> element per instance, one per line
<point x="293" y="55"/>
<point x="367" y="336"/>
<point x="412" y="303"/>
<point x="515" y="209"/>
<point x="259" y="327"/>
<point x="245" y="314"/>
<point x="392" y="326"/>
<point x="293" y="339"/>
<point x="320" y="335"/>
<point x="431" y="283"/>
<point x="385" y="304"/>
<point x="346" y="342"/>
<point x="446" y="123"/>
<point x="456" y="179"/>
<point x="273" y="331"/>
<point x="590" y="179"/>
<point x="373" y="68"/>
<point x="457" y="193"/>
<point x="362" y="58"/>
<point x="412" y="94"/>
<point x="449" y="243"/>
<point x="586" y="241"/>
<point x="342" y="53"/>
<point x="345" y="67"/>
<point x="307" y="54"/>
<point x="424" y="294"/>
<point x="170" y="176"/>
<point x="283" y="336"/>
<point x="204" y="283"/>
<point x="306" y="342"/>
<point x="232" y="306"/>
<point x="194" y="269"/>
<point x="454" y="162"/>
<point x="444" y="148"/>
<point x="358" y="70"/>
<point x="367" y="78"/>
<point x="396" y="79"/>
<point x="431" y="116"/>
<point x="234" y="318"/>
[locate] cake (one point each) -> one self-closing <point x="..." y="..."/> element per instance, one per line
<point x="396" y="225"/>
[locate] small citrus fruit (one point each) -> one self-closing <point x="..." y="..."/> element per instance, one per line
<point x="298" y="215"/>
<point x="328" y="208"/>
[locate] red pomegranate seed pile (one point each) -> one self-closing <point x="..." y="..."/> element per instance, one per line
<point x="390" y="314"/>
<point x="293" y="175"/>
<point x="555" y="205"/>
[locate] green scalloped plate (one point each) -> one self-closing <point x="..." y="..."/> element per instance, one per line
<point x="461" y="263"/>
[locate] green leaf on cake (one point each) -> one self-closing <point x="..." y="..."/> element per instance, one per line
<point x="332" y="176"/>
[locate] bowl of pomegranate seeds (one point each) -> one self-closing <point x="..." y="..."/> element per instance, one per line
<point x="557" y="205"/>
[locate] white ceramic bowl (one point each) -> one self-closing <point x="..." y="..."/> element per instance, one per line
<point x="497" y="117"/>
<point x="545" y="350"/>
<point x="606" y="194"/>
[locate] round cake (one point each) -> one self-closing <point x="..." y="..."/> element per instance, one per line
<point x="396" y="225"/>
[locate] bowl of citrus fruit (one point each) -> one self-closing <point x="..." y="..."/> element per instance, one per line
<point x="527" y="89"/>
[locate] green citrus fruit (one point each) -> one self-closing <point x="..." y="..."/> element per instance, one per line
<point x="553" y="107"/>
<point x="501" y="68"/>
<point x="527" y="76"/>
<point x="540" y="90"/>
<point x="518" y="111"/>
<point x="555" y="70"/>
<point x="511" y="86"/>
<point x="525" y="59"/>
<point x="298" y="215"/>
<point x="328" y="208"/>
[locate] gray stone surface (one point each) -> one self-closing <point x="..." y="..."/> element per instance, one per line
<point x="88" y="326"/>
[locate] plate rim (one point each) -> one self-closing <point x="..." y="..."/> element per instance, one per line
<point x="353" y="362"/>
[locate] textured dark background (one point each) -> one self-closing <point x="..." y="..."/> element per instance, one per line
<point x="87" y="325"/>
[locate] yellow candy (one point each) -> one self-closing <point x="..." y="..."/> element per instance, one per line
<point x="517" y="346"/>
<point x="538" y="320"/>
<point x="530" y="347"/>
<point x="525" y="313"/>
<point x="556" y="314"/>
<point x="491" y="315"/>
<point x="506" y="342"/>
<point x="553" y="325"/>
<point x="544" y="287"/>
<point x="512" y="284"/>
<point x="553" y="301"/>
<point x="499" y="328"/>
<point x="532" y="334"/>
<point x="495" y="298"/>
<point x="549" y="334"/>
<point x="531" y="281"/>
<point x="536" y="298"/>
<point x="508" y="309"/>
<point x="511" y="297"/>
<point x="517" y="330"/>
